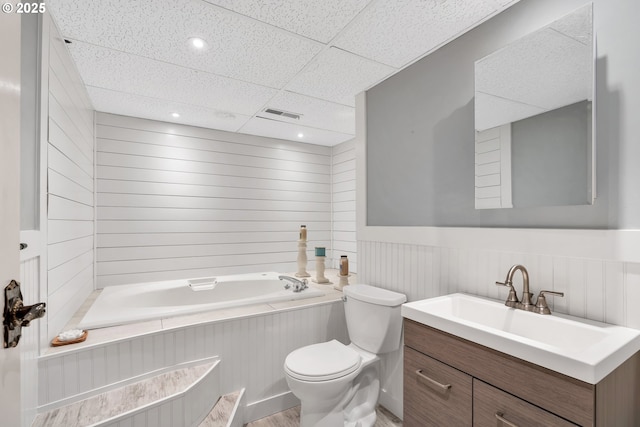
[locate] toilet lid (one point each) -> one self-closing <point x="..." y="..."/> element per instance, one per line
<point x="322" y="362"/>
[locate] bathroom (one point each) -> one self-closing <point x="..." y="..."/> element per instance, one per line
<point x="588" y="252"/>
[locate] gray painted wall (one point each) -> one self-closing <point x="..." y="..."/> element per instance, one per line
<point x="420" y="131"/>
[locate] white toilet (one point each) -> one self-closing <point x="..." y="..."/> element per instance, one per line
<point x="337" y="384"/>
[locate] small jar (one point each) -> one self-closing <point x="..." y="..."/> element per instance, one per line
<point x="303" y="233"/>
<point x="344" y="265"/>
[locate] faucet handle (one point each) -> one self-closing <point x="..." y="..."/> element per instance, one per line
<point x="541" y="303"/>
<point x="512" y="299"/>
<point x="300" y="285"/>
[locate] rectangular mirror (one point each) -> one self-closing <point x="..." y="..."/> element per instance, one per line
<point x="534" y="118"/>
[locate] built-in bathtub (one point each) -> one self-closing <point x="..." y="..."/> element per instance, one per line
<point x="117" y="305"/>
<point x="251" y="341"/>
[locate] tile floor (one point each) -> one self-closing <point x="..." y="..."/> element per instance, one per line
<point x="291" y="418"/>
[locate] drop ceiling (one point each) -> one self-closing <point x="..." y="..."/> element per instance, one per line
<point x="306" y="57"/>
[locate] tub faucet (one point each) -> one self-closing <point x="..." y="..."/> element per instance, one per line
<point x="298" y="285"/>
<point x="512" y="299"/>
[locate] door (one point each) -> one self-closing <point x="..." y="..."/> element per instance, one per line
<point x="10" y="400"/>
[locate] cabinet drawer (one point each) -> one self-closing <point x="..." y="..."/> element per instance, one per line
<point x="493" y="407"/>
<point x="435" y="394"/>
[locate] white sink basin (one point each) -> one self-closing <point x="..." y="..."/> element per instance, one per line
<point x="579" y="348"/>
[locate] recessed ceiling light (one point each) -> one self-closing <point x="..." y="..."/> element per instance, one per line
<point x="197" y="43"/>
<point x="300" y="135"/>
<point x="176" y="115"/>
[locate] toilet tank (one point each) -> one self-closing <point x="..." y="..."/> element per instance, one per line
<point x="373" y="317"/>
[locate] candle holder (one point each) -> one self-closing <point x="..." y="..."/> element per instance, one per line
<point x="302" y="259"/>
<point x="344" y="281"/>
<point x="320" y="268"/>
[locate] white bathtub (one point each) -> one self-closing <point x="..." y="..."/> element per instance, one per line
<point x="121" y="304"/>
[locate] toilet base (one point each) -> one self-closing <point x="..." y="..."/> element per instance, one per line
<point x="356" y="407"/>
<point x="368" y="421"/>
<point x="361" y="408"/>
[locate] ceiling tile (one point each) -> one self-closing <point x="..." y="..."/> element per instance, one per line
<point x="281" y="130"/>
<point x="136" y="60"/>
<point x="125" y="104"/>
<point x="238" y="47"/>
<point x="123" y="72"/>
<point x="400" y="31"/>
<point x="577" y="25"/>
<point x="337" y="76"/>
<point x="314" y="112"/>
<point x="318" y="20"/>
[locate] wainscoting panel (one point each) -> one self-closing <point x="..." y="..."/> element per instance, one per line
<point x="251" y="349"/>
<point x="29" y="342"/>
<point x="594" y="289"/>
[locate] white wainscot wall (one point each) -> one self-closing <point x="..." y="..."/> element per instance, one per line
<point x="29" y="342"/>
<point x="596" y="289"/>
<point x="252" y="351"/>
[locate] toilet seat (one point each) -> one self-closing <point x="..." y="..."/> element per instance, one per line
<point x="322" y="362"/>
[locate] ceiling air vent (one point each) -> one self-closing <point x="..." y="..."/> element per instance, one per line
<point x="281" y="113"/>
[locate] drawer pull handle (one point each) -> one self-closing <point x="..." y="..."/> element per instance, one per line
<point x="444" y="387"/>
<point x="503" y="420"/>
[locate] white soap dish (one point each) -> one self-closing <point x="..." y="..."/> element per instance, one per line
<point x="72" y="336"/>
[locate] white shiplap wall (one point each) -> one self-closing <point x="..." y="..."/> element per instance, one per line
<point x="70" y="203"/>
<point x="178" y="201"/>
<point x="493" y="168"/>
<point x="344" y="204"/>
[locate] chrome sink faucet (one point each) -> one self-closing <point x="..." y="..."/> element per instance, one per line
<point x="512" y="300"/>
<point x="298" y="285"/>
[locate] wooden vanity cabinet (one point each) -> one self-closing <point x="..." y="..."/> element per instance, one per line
<point x="490" y="388"/>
